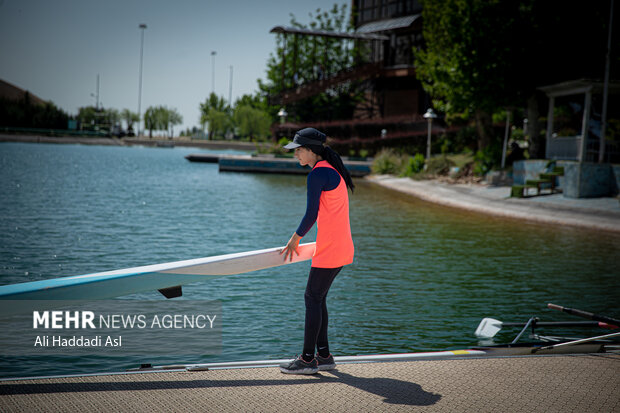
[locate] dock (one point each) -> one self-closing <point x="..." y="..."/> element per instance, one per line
<point x="271" y="164"/>
<point x="552" y="383"/>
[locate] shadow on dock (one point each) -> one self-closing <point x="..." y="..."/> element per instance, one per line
<point x="393" y="391"/>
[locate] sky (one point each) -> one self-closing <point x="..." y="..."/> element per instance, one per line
<point x="56" y="48"/>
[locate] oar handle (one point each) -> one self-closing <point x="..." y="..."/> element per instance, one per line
<point x="584" y="314"/>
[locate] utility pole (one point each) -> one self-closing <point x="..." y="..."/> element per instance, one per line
<point x="141" y="27"/>
<point x="96" y="94"/>
<point x="601" y="151"/>
<point x="230" y="87"/>
<point x="213" y="53"/>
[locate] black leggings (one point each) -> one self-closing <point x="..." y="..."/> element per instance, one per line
<point x="315" y="333"/>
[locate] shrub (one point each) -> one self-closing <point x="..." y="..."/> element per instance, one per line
<point x="485" y="160"/>
<point x="276" y="149"/>
<point x="389" y="162"/>
<point x="439" y="165"/>
<point x="415" y="165"/>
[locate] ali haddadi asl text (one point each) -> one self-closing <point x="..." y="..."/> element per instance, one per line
<point x="78" y="341"/>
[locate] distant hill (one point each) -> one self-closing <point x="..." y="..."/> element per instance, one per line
<point x="12" y="92"/>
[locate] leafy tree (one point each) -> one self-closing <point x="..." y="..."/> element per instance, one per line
<point x="130" y="118"/>
<point x="310" y="58"/>
<point x="26" y="114"/>
<point x="251" y="123"/>
<point x="561" y="40"/>
<point x="174" y="118"/>
<point x="220" y="122"/>
<point x="483" y="56"/>
<point x="87" y="115"/>
<point x="161" y="118"/>
<point x="218" y="104"/>
<point x="469" y="44"/>
<point x="98" y="118"/>
<point x="255" y="101"/>
<point x="152" y="119"/>
<point x="111" y="116"/>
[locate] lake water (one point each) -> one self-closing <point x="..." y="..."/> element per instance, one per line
<point x="422" y="279"/>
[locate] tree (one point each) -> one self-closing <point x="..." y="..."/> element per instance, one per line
<point x="251" y="123"/>
<point x="152" y="119"/>
<point x="220" y="123"/>
<point x="218" y="104"/>
<point x="469" y="45"/>
<point x="130" y="118"/>
<point x="161" y="118"/>
<point x="255" y="101"/>
<point x="87" y="115"/>
<point x="25" y="113"/>
<point x="174" y="118"/>
<point x="561" y="40"/>
<point x="111" y="117"/>
<point x="308" y="58"/>
<point x="483" y="56"/>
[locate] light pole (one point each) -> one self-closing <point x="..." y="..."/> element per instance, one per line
<point x="429" y="116"/>
<point x="506" y="134"/>
<point x="282" y="114"/>
<point x="141" y="27"/>
<point x="601" y="152"/>
<point x="230" y="88"/>
<point x="96" y="95"/>
<point x="213" y="53"/>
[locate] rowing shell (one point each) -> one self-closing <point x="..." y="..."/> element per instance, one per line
<point x="167" y="278"/>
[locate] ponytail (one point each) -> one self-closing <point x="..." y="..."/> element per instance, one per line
<point x="332" y="157"/>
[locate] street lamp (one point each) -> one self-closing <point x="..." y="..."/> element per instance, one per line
<point x="96" y="96"/>
<point x="141" y="27"/>
<point x="429" y="116"/>
<point x="282" y="114"/>
<point x="213" y="53"/>
<point x="230" y="88"/>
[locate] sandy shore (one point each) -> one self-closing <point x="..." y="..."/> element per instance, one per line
<point x="594" y="213"/>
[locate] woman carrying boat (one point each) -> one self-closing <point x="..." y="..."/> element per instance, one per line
<point x="328" y="206"/>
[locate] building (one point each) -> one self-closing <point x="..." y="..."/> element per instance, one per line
<point x="386" y="35"/>
<point x="396" y="91"/>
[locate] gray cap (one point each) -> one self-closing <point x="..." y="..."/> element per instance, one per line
<point x="307" y="136"/>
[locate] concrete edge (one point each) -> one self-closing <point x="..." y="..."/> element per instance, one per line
<point x="444" y="195"/>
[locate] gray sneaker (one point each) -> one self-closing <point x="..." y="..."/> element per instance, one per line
<point x="325" y="363"/>
<point x="299" y="366"/>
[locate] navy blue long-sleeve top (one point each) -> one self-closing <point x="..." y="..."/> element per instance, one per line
<point x="320" y="179"/>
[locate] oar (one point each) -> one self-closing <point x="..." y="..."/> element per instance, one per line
<point x="580" y="313"/>
<point x="489" y="327"/>
<point x="570" y="343"/>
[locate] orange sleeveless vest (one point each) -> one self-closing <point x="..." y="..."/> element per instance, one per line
<point x="334" y="245"/>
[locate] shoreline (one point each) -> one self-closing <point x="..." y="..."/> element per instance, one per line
<point x="592" y="213"/>
<point x="130" y="141"/>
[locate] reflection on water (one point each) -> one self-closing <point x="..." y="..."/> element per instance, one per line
<point x="423" y="276"/>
